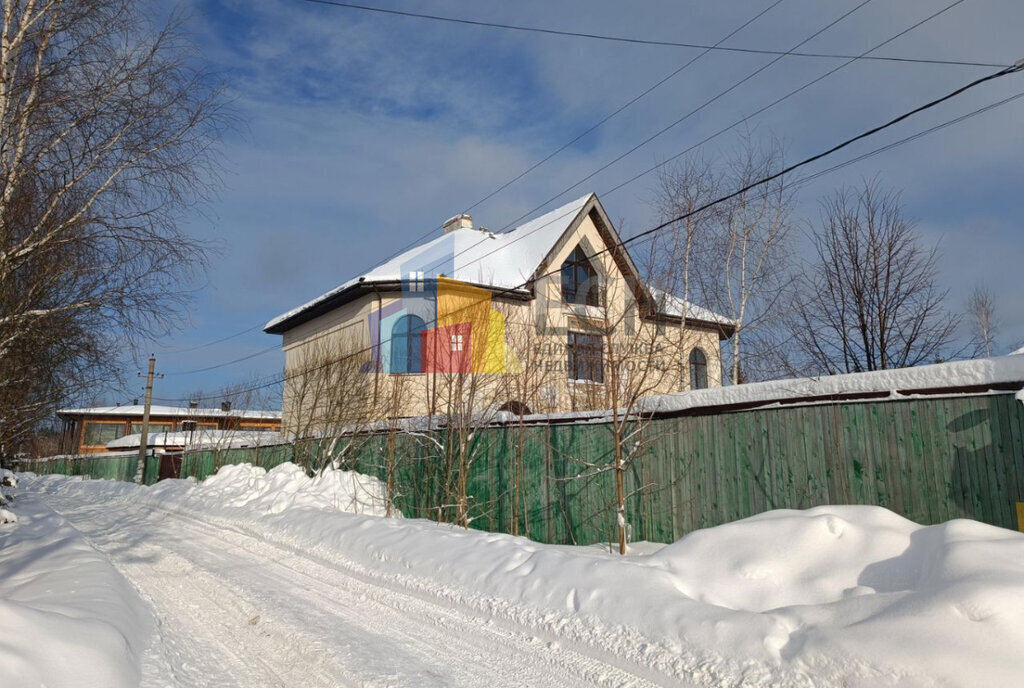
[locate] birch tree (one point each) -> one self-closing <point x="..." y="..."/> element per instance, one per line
<point x="982" y="320"/>
<point x="734" y="256"/>
<point x="106" y="136"/>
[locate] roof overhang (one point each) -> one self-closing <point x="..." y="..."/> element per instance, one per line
<point x="370" y="287"/>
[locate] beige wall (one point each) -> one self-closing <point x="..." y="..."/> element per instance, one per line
<point x="652" y="357"/>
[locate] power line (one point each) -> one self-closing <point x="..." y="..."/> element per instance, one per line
<point x="636" y="41"/>
<point x="208" y="344"/>
<point x="748" y="117"/>
<point x="775" y="102"/>
<point x="604" y="120"/>
<point x="222" y="365"/>
<point x="1017" y="67"/>
<point x="701" y="107"/>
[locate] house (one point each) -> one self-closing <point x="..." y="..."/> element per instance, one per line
<point x="550" y="316"/>
<point x="91" y="430"/>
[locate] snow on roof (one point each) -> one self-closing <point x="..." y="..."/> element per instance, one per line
<point x="139" y="410"/>
<point x="981" y="372"/>
<point x="221" y="439"/>
<point x="504" y="261"/>
<point x="1019" y="351"/>
<point x="669" y="304"/>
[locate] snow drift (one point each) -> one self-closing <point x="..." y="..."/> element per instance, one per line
<point x="836" y="595"/>
<point x="67" y="618"/>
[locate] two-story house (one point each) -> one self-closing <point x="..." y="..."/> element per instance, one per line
<point x="551" y="316"/>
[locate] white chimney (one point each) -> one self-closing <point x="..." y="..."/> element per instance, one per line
<point x="462" y="221"/>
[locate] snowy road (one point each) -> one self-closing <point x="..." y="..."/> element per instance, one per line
<point x="234" y="610"/>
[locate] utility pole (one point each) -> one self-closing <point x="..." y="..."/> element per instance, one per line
<point x="144" y="439"/>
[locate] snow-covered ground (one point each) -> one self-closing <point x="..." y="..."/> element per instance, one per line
<point x="255" y="579"/>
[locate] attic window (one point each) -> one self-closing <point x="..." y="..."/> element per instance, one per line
<point x="580" y="283"/>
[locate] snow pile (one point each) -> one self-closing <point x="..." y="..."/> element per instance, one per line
<point x="8" y="481"/>
<point x="835" y="595"/>
<point x="834" y="592"/>
<point x="67" y="618"/>
<point x="978" y="373"/>
<point x="8" y="478"/>
<point x="257" y="492"/>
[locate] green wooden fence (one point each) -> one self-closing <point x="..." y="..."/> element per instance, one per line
<point x="930" y="459"/>
<point x="122" y="467"/>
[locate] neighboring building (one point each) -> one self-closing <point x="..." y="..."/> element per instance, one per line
<point x="90" y="430"/>
<point x="542" y="318"/>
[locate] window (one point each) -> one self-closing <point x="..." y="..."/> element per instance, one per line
<point x="579" y="280"/>
<point x="99" y="434"/>
<point x="585" y="357"/>
<point x="405" y="344"/>
<point x="153" y="427"/>
<point x="698" y="370"/>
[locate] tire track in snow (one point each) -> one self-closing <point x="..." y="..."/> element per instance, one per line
<point x="236" y="610"/>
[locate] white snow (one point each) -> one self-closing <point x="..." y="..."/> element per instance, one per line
<point x="837" y="595"/>
<point x="502" y="261"/>
<point x="905" y="381"/>
<point x="252" y="491"/>
<point x="157" y="411"/>
<point x="67" y="618"/>
<point x="8" y="478"/>
<point x="673" y="305"/>
<point x="199" y="439"/>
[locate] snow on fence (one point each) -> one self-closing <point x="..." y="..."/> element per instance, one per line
<point x="929" y="459"/>
<point x="929" y="453"/>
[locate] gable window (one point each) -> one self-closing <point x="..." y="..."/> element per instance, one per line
<point x="405" y="344"/>
<point x="585" y="357"/>
<point x="580" y="283"/>
<point x="698" y="370"/>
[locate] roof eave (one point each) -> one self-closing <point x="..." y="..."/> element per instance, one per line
<point x="363" y="287"/>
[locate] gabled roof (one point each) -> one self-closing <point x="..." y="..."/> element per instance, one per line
<point x="505" y="262"/>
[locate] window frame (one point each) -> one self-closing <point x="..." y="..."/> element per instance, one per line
<point x="580" y="281"/>
<point x="698" y="368"/>
<point x="585" y="357"/>
<point x="406" y="342"/>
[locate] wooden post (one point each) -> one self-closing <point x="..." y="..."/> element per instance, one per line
<point x="144" y="439"/>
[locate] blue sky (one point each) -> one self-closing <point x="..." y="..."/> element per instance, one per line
<point x="360" y="132"/>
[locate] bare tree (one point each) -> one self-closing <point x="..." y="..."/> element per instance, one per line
<point x="620" y="354"/>
<point x="106" y="135"/>
<point x="869" y="302"/>
<point x="734" y="257"/>
<point x="328" y="398"/>
<point x="981" y="314"/>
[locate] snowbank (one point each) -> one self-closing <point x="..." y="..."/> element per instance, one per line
<point x="253" y="491"/>
<point x="67" y="618"/>
<point x="838" y="595"/>
<point x="979" y="373"/>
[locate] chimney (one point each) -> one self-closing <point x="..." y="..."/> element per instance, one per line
<point x="135" y="402"/>
<point x="462" y="221"/>
<point x="225" y="406"/>
<point x="193" y="404"/>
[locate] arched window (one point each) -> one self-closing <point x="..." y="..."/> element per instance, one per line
<point x="698" y="369"/>
<point x="405" y="344"/>
<point x="579" y="280"/>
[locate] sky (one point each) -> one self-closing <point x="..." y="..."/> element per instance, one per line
<point x="361" y="132"/>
